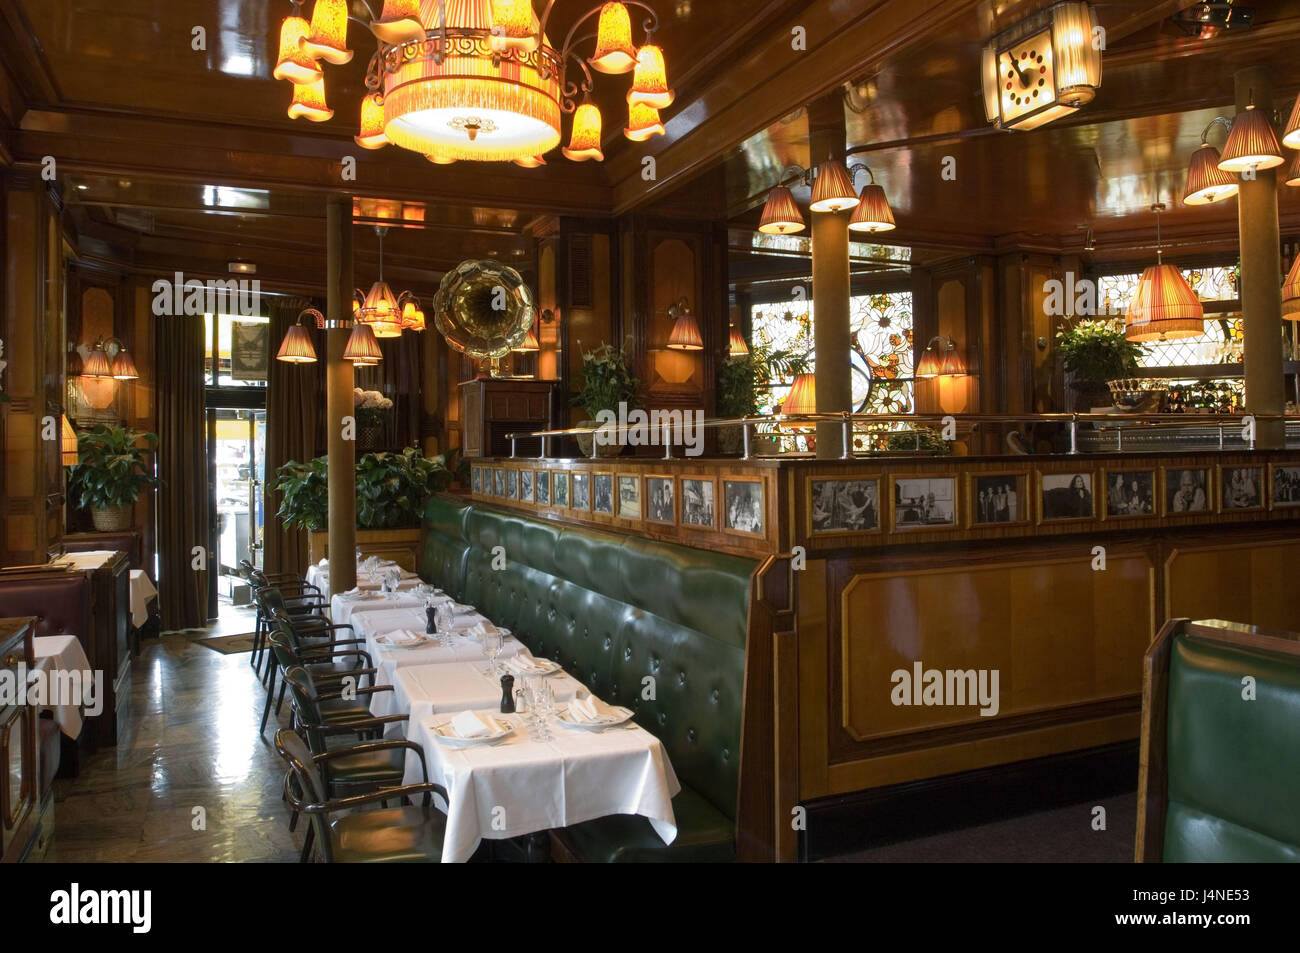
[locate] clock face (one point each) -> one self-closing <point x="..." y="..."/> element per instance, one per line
<point x="1026" y="78"/>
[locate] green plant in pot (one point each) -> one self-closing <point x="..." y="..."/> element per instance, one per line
<point x="392" y="489"/>
<point x="742" y="381"/>
<point x="112" y="468"/>
<point x="1096" y="352"/>
<point x="607" y="382"/>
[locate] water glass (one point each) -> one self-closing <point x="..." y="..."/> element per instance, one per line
<point x="492" y="648"/>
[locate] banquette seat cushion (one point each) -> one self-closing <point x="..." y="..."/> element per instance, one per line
<point x="1233" y="764"/>
<point x="656" y="627"/>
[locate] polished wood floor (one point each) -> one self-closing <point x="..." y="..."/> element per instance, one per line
<point x="193" y="743"/>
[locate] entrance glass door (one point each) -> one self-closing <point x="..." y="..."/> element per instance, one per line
<point x="238" y="472"/>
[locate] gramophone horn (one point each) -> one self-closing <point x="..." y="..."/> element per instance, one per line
<point x="484" y="309"/>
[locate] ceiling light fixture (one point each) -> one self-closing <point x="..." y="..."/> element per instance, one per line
<point x="1164" y="307"/>
<point x="478" y="80"/>
<point x="387" y="314"/>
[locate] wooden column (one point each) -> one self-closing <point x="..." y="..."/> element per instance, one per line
<point x="339" y="382"/>
<point x="830" y="273"/>
<point x="1261" y="274"/>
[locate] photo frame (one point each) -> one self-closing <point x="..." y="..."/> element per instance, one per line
<point x="542" y="488"/>
<point x="660" y="499"/>
<point x="499" y="483"/>
<point x="1242" y="488"/>
<point x="997" y="498"/>
<point x="1067" y="496"/>
<point x="526" y="486"/>
<point x="580" y="498"/>
<point x="1186" y="491"/>
<point x="743" y="507"/>
<point x="1284" y="486"/>
<point x="843" y="506"/>
<point x="560" y="490"/>
<point x="629" y="497"/>
<point x="476" y="480"/>
<point x="512" y="484"/>
<point x="925" y="502"/>
<point x="1129" y="494"/>
<point x="698" y="506"/>
<point x="602" y="494"/>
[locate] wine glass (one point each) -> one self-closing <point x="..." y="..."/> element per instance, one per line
<point x="492" y="648"/>
<point x="544" y="701"/>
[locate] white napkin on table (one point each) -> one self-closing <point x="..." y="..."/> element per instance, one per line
<point x="405" y="637"/>
<point x="523" y="665"/>
<point x="589" y="709"/>
<point x="470" y="724"/>
<point x="482" y="628"/>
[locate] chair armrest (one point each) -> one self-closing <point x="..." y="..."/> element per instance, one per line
<point x="368" y="746"/>
<point x="372" y="690"/>
<point x="387" y="794"/>
<point x="364" y="724"/>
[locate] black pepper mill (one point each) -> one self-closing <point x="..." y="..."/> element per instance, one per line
<point x="430" y="615"/>
<point x="507" y="694"/>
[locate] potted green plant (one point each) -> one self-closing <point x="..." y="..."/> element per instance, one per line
<point x="742" y="381"/>
<point x="1095" y="352"/>
<point x="112" y="469"/>
<point x="607" y="382"/>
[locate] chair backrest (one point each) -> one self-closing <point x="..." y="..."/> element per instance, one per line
<point x="306" y="703"/>
<point x="307" y="784"/>
<point x="1220" y="739"/>
<point x="269" y="600"/>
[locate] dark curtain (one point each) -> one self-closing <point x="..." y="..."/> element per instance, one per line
<point x="398" y="377"/>
<point x="293" y="407"/>
<point x="183" y="469"/>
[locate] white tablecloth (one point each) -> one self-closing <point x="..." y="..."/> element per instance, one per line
<point x="142" y="591"/>
<point x="520" y="786"/>
<point x="63" y="653"/>
<point x="370" y="625"/>
<point x="91" y="559"/>
<point x="342" y="608"/>
<point x="453" y="687"/>
<point x="319" y="576"/>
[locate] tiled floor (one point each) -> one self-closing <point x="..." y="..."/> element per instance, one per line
<point x="193" y="744"/>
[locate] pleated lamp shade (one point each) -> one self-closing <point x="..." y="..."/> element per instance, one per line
<point x="650" y="84"/>
<point x="296" y="348"/>
<point x="614" y="50"/>
<point x="1291" y="293"/>
<point x="584" y="141"/>
<point x="1206" y="182"/>
<point x="873" y="213"/>
<point x="309" y="102"/>
<point x="1251" y="143"/>
<point x="529" y="344"/>
<point x="124" y="367"/>
<point x="514" y="26"/>
<point x="371" y="135"/>
<point x="328" y="39"/>
<point x="294" y="63"/>
<point x="1291" y="137"/>
<point x="68" y="443"/>
<point x="686" y="335"/>
<point x="399" y="23"/>
<point x="97" y="365"/>
<point x="780" y="215"/>
<point x="363" y="348"/>
<point x="931" y="364"/>
<point x="643" y="123"/>
<point x="1164" y="307"/>
<point x="737" y="347"/>
<point x="833" y="189"/>
<point x="802" y="398"/>
<point x="1292" y="177"/>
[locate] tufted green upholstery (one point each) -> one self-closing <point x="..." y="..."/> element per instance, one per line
<point x="1233" y="765"/>
<point x="614" y="610"/>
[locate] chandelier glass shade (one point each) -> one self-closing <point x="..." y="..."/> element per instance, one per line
<point x="483" y="83"/>
<point x="584" y="142"/>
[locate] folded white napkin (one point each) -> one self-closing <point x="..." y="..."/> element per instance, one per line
<point x="524" y="665"/>
<point x="405" y="637"/>
<point x="481" y="628"/>
<point x="470" y="724"/>
<point x="588" y="709"/>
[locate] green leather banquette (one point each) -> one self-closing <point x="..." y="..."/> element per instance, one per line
<point x="1222" y="766"/>
<point x="657" y="627"/>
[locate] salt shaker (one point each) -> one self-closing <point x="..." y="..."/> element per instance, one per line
<point x="507" y="694"/>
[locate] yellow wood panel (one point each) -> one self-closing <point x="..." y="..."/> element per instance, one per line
<point x="1057" y="633"/>
<point x="1253" y="584"/>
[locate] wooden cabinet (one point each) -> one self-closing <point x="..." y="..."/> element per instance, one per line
<point x="493" y="408"/>
<point x="17" y="742"/>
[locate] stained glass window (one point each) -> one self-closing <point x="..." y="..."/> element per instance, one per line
<point x="1222" y="341"/>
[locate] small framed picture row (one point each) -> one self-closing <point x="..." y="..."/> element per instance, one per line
<point x="730" y="504"/>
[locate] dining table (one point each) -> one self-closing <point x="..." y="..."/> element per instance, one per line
<point x="370" y="576"/>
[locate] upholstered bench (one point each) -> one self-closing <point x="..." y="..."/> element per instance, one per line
<point x="656" y="627"/>
<point x="1220" y="771"/>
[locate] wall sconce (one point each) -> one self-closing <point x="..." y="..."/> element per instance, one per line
<point x="737" y="346"/>
<point x="296" y="348"/>
<point x="686" y="332"/>
<point x="1206" y="182"/>
<point x="109" y="360"/>
<point x="942" y="358"/>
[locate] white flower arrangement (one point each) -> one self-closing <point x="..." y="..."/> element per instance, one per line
<point x="370" y="400"/>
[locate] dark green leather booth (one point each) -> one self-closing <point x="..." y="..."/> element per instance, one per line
<point x="656" y="627"/>
<point x="1222" y="771"/>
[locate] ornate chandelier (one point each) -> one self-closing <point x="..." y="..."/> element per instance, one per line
<point x="387" y="314"/>
<point x="478" y="80"/>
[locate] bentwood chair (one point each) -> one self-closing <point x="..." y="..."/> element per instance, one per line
<point x="299" y="598"/>
<point x="288" y="647"/>
<point x="405" y="834"/>
<point x="310" y="618"/>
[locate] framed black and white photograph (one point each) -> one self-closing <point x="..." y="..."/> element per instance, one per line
<point x="998" y="499"/>
<point x="1129" y="493"/>
<point x="697" y="503"/>
<point x="526" y="486"/>
<point x="743" y="506"/>
<point x="602" y="493"/>
<point x="1286" y="487"/>
<point x="1186" y="491"/>
<point x="581" y="491"/>
<point x="844" y="506"/>
<point x="629" y="497"/>
<point x="560" y="489"/>
<point x="499" y="482"/>
<point x="512" y="484"/>
<point x="659" y="500"/>
<point x="476" y="480"/>
<point x="1241" y="488"/>
<point x="1066" y="496"/>
<point x="543" y="489"/>
<point x="925" y="502"/>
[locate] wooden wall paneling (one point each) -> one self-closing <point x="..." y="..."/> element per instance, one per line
<point x="1251" y="582"/>
<point x="758" y="817"/>
<point x="812" y="599"/>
